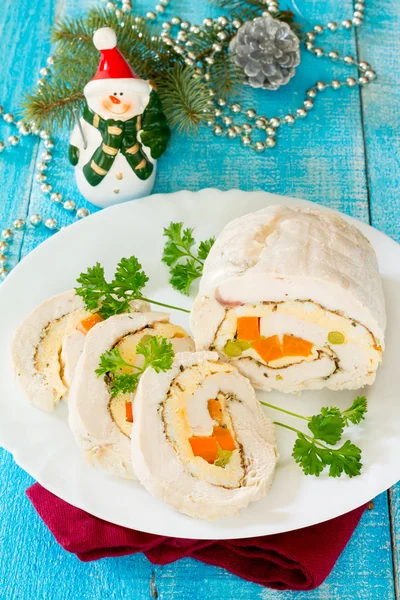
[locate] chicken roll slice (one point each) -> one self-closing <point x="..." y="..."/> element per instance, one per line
<point x="200" y="441"/>
<point x="293" y="298"/>
<point x="100" y="421"/>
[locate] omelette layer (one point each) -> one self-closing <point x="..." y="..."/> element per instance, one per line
<point x="292" y="296"/>
<point x="200" y="441"/>
<point x="100" y="422"/>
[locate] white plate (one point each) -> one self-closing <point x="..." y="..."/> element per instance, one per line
<point x="43" y="445"/>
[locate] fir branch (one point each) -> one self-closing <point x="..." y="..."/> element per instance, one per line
<point x="51" y="107"/>
<point x="225" y="76"/>
<point x="185" y="99"/>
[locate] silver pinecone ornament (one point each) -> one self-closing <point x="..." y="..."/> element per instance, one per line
<point x="268" y="52"/>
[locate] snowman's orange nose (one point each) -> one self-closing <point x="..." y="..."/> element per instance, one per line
<point x="115" y="100"/>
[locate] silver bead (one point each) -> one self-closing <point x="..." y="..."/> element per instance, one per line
<point x="8" y="117"/>
<point x="208" y="22"/>
<point x="333" y="55"/>
<point x="370" y="74"/>
<point x="270" y="142"/>
<point x="40" y="177"/>
<point x="247" y="127"/>
<point x="250" y="113"/>
<point x="356" y="21"/>
<point x="221" y="102"/>
<point x="318" y="52"/>
<point x="231" y="133"/>
<point x="110" y="5"/>
<point x="24" y="131"/>
<point x="335" y="83"/>
<point x="320" y="86"/>
<point x="238" y="129"/>
<point x="19" y="223"/>
<point x="311" y="93"/>
<point x="274" y="122"/>
<point x="118" y="13"/>
<point x="81" y="213"/>
<point x="2" y="146"/>
<point x="260" y="123"/>
<point x="51" y="223"/>
<point x="270" y="131"/>
<point x="49" y="144"/>
<point x="289" y="119"/>
<point x="40" y="82"/>
<point x="301" y="112"/>
<point x="176" y="20"/>
<point x="364" y="66"/>
<point x="189" y="61"/>
<point x="236" y="108"/>
<point x="3" y="259"/>
<point x="227" y="120"/>
<point x="34" y="129"/>
<point x="223" y="21"/>
<point x="47" y="156"/>
<point x="182" y="36"/>
<point x="259" y="147"/>
<point x="359" y="6"/>
<point x="310" y="36"/>
<point x="349" y="60"/>
<point x="50" y="60"/>
<point x="236" y="23"/>
<point x="222" y="36"/>
<point x="351" y="82"/>
<point x="13" y="140"/>
<point x="363" y="80"/>
<point x="69" y="205"/>
<point x="245" y="141"/>
<point x="308" y="104"/>
<point x="56" y="197"/>
<point x="210" y="123"/>
<point x="185" y="25"/>
<point x="44" y="72"/>
<point x="217" y="47"/>
<point x="309" y="45"/>
<point x="218" y="130"/>
<point x="347" y="24"/>
<point x="318" y="28"/>
<point x="46" y="188"/>
<point x="7" y="234"/>
<point x="35" y="220"/>
<point x="358" y="14"/>
<point x="164" y="2"/>
<point x="218" y="112"/>
<point x="3" y="272"/>
<point x="195" y="29"/>
<point x="166" y="26"/>
<point x="151" y="15"/>
<point x="210" y="60"/>
<point x="160" y="8"/>
<point x="180" y="50"/>
<point x="3" y="246"/>
<point x="332" y="26"/>
<point x="42" y="166"/>
<point x="192" y="55"/>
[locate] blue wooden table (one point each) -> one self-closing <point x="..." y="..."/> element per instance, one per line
<point x="345" y="155"/>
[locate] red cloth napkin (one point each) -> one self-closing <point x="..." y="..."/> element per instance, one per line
<point x="297" y="560"/>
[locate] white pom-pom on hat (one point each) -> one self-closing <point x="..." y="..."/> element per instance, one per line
<point x="105" y="38"/>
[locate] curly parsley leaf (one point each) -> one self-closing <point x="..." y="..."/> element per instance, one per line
<point x="184" y="263"/>
<point x="158" y="353"/>
<point x="110" y="362"/>
<point x="124" y="384"/>
<point x="357" y="411"/>
<point x="93" y="286"/>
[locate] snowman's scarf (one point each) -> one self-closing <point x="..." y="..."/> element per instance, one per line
<point x="122" y="136"/>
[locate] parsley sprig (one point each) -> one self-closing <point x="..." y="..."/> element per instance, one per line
<point x="327" y="426"/>
<point x="185" y="264"/>
<point x="158" y="353"/>
<point x="113" y="298"/>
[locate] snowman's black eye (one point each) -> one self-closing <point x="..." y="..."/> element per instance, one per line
<point x="115" y="94"/>
<point x="121" y="93"/>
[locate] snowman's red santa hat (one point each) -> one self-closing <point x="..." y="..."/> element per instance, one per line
<point x="113" y="71"/>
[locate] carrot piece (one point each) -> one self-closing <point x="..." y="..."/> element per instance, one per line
<point x="294" y="346"/>
<point x="269" y="348"/>
<point x="377" y="348"/>
<point x="215" y="410"/>
<point x="205" y="447"/>
<point x="86" y="324"/>
<point x="248" y="328"/>
<point x="224" y="438"/>
<point x="129" y="412"/>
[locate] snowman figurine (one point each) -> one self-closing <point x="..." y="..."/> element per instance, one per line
<point x="122" y="132"/>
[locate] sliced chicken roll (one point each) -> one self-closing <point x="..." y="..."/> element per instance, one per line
<point x="48" y="344"/>
<point x="100" y="421"/>
<point x="293" y="298"/>
<point x="200" y="441"/>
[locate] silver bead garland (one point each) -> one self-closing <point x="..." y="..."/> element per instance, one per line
<point x="222" y="124"/>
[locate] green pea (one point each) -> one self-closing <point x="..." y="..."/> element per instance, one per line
<point x="244" y="344"/>
<point x="232" y="349"/>
<point x="335" y="337"/>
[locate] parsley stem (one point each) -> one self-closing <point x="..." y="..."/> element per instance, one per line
<point x="188" y="253"/>
<point x="165" y="305"/>
<point x="292" y="414"/>
<point x="311" y="439"/>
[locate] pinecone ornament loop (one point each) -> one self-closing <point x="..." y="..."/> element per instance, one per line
<point x="267" y="50"/>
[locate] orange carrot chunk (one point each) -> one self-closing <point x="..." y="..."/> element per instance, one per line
<point x="129" y="412"/>
<point x="248" y="328"/>
<point x="269" y="348"/>
<point x="224" y="438"/>
<point x="205" y="447"/>
<point x="86" y="324"/>
<point x="294" y="346"/>
<point x="215" y="410"/>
